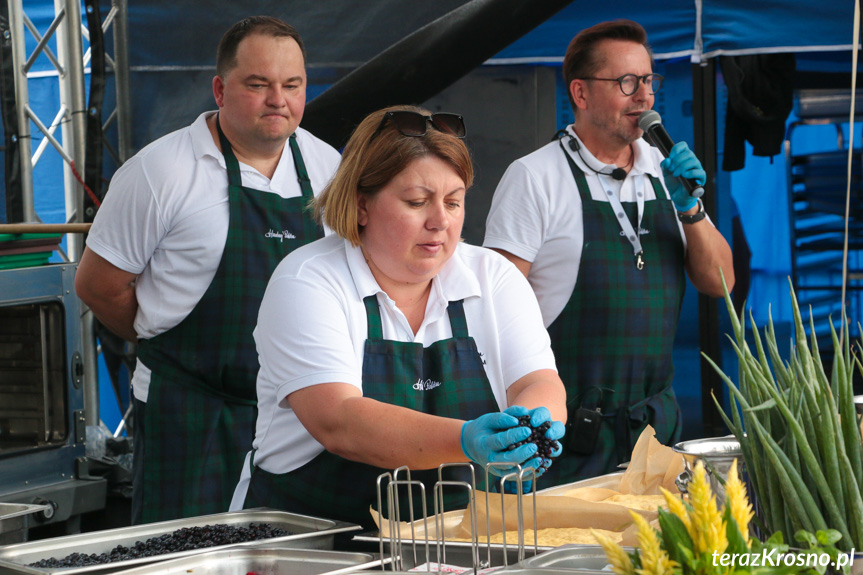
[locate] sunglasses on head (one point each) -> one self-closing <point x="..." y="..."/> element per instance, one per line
<point x="415" y="124"/>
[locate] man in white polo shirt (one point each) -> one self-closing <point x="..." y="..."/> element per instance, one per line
<point x="180" y="254"/>
<point x="587" y="219"/>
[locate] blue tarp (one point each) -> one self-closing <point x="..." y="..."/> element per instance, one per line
<point x="696" y="28"/>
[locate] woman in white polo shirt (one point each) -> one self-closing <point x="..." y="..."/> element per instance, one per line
<point x="376" y="344"/>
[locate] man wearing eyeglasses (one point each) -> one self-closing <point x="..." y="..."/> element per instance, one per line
<point x="587" y="219"/>
<point x="179" y="256"/>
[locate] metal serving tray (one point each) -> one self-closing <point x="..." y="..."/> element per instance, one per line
<point x="508" y="571"/>
<point x="577" y="557"/>
<point x="461" y="549"/>
<point x="14" y="519"/>
<point x="261" y="561"/>
<point x="460" y="554"/>
<point x="12" y="515"/>
<point x="306" y="533"/>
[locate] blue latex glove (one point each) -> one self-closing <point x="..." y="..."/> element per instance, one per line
<point x="487" y="439"/>
<point x="681" y="162"/>
<point x="538" y="416"/>
<point x="510" y="487"/>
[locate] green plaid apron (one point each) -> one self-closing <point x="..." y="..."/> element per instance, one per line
<point x="201" y="407"/>
<point x="617" y="332"/>
<point x="446" y="379"/>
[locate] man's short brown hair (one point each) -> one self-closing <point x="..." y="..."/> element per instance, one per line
<point x="226" y="54"/>
<point x="582" y="59"/>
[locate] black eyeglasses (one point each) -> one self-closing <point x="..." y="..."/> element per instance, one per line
<point x="415" y="124"/>
<point x="629" y="82"/>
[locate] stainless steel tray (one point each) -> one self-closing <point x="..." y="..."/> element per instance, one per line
<point x="261" y="561"/>
<point x="15" y="518"/>
<point x="459" y="553"/>
<point x="578" y="557"/>
<point x="509" y="571"/>
<point x="306" y="532"/>
<point x="462" y="548"/>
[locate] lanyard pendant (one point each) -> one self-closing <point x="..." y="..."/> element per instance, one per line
<point x="639" y="261"/>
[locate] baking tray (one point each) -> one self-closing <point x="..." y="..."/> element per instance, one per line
<point x="459" y="552"/>
<point x="13" y="515"/>
<point x="513" y="570"/>
<point x="574" y="556"/>
<point x="15" y="520"/>
<point x="306" y="533"/>
<point x="261" y="560"/>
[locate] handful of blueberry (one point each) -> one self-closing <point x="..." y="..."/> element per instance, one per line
<point x="546" y="448"/>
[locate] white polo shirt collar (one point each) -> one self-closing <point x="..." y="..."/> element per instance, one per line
<point x="643" y="164"/>
<point x="203" y="145"/>
<point x="455" y="281"/>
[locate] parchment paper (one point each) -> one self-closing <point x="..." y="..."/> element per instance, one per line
<point x="651" y="465"/>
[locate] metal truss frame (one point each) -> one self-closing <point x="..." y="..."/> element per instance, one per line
<point x="70" y="62"/>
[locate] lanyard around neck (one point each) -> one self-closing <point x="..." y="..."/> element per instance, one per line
<point x="622" y="220"/>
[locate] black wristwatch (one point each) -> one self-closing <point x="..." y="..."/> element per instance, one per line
<point x="696" y="217"/>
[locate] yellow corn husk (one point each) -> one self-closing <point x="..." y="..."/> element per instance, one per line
<point x="707" y="527"/>
<point x="654" y="560"/>
<point x="621" y="564"/>
<point x="678" y="508"/>
<point x="737" y="501"/>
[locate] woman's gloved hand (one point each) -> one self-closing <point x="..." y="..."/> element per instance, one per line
<point x="487" y="439"/>
<point x="539" y="416"/>
<point x="682" y="163"/>
<point x="511" y="487"/>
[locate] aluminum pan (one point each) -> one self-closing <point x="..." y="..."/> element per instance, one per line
<point x="12" y="515"/>
<point x="458" y="553"/>
<point x="573" y="556"/>
<point x="306" y="532"/>
<point x="610" y="481"/>
<point x="514" y="570"/>
<point x="243" y="560"/>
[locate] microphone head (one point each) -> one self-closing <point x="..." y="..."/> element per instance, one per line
<point x="648" y="118"/>
<point x="618" y="174"/>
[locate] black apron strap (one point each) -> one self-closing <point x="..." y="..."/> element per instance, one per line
<point x="373" y="315"/>
<point x="300" y="165"/>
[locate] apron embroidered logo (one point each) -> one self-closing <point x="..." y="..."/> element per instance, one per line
<point x="641" y="232"/>
<point x="282" y="235"/>
<point x="425" y="384"/>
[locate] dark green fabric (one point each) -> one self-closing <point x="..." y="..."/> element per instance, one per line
<point x="201" y="408"/>
<point x="446" y="379"/>
<point x="617" y="332"/>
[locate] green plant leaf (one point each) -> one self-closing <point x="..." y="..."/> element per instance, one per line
<point x="675" y="537"/>
<point x="805" y="537"/>
<point x="769" y="404"/>
<point x="736" y="543"/>
<point x="827" y="538"/>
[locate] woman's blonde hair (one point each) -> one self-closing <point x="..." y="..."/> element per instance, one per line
<point x="370" y="164"/>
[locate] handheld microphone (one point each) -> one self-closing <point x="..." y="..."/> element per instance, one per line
<point x="655" y="134"/>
